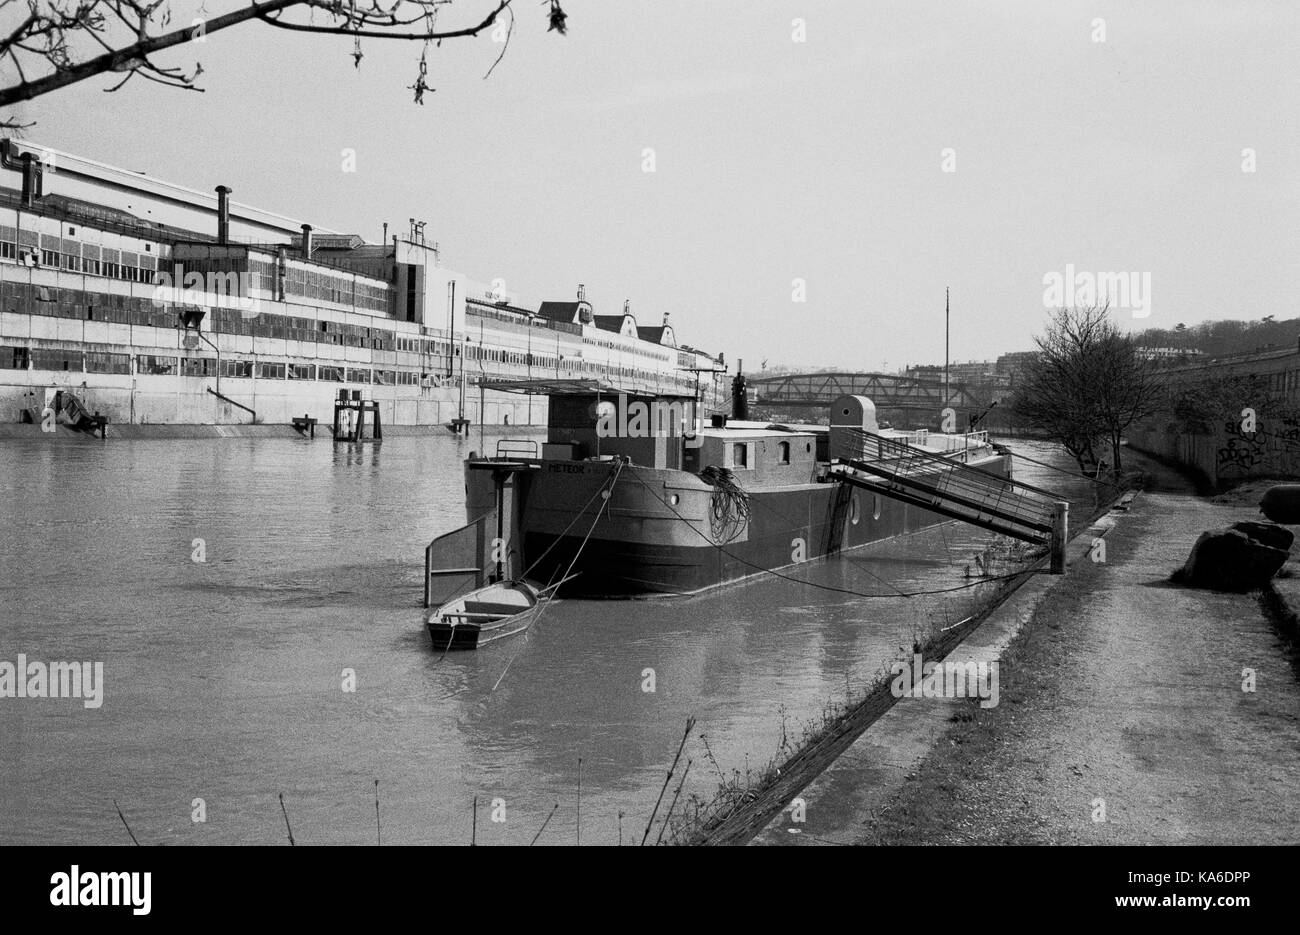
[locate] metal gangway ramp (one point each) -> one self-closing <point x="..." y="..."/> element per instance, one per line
<point x="951" y="488"/>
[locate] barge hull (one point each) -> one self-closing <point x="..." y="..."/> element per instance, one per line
<point x="786" y="528"/>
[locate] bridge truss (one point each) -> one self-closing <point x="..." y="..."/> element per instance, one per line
<point x="886" y="390"/>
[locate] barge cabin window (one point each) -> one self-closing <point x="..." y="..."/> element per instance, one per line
<point x="783" y="453"/>
<point x="740" y="455"/>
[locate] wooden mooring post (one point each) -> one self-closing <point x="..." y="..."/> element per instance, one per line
<point x="304" y="424"/>
<point x="1060" y="535"/>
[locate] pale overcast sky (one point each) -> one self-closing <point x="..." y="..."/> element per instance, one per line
<point x="774" y="159"/>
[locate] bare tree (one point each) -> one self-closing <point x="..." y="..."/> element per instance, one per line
<point x="1087" y="385"/>
<point x="46" y="45"/>
<point x="1050" y="395"/>
<point x="1125" y="385"/>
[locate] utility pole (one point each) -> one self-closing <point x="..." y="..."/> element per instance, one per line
<point x="947" y="397"/>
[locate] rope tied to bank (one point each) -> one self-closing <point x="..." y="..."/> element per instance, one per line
<point x="1066" y="471"/>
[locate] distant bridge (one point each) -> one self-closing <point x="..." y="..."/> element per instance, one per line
<point x="886" y="390"/>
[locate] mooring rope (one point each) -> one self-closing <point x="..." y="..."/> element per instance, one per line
<point x="886" y="583"/>
<point x="576" y="517"/>
<point x="609" y="495"/>
<point x="1066" y="471"/>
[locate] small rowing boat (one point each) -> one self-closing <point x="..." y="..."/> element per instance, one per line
<point x="483" y="615"/>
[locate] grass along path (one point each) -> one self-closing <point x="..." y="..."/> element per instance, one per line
<point x="1122" y="691"/>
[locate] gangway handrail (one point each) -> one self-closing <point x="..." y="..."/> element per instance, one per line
<point x="925" y="456"/>
<point x="1032" y="528"/>
<point x="948" y="479"/>
<point x="1034" y="520"/>
<point x="953" y="488"/>
<point x="946" y="508"/>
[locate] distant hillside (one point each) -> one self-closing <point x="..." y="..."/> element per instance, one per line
<point x="1219" y="338"/>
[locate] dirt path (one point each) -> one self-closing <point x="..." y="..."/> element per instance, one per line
<point x="1125" y="689"/>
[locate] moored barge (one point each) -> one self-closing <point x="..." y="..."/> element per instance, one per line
<point x="634" y="497"/>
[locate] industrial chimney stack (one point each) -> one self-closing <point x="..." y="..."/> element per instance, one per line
<point x="31" y="179"/>
<point x="223" y="214"/>
<point x="739" y="394"/>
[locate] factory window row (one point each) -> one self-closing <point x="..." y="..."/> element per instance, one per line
<point x="74" y="360"/>
<point x="63" y="254"/>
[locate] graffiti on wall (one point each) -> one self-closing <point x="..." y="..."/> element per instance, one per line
<point x="1271" y="449"/>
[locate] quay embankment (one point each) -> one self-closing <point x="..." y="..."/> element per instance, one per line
<point x="741" y="815"/>
<point x="64" y="434"/>
<point x="1131" y="710"/>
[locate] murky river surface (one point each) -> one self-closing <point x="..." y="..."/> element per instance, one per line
<point x="224" y="680"/>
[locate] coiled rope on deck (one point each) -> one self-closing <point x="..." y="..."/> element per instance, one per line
<point x="729" y="505"/>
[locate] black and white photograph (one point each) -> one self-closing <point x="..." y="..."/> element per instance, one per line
<point x="560" y="423"/>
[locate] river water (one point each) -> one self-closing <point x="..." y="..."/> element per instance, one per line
<point x="224" y="680"/>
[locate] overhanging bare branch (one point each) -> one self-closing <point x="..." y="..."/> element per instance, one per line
<point x="51" y="33"/>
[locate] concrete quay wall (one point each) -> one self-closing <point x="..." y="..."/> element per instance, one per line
<point x="176" y="400"/>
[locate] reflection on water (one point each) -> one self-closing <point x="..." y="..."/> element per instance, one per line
<point x="224" y="679"/>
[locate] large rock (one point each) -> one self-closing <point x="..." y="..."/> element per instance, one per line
<point x="1230" y="560"/>
<point x="1279" y="537"/>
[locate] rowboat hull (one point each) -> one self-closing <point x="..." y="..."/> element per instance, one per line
<point x="483" y="616"/>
